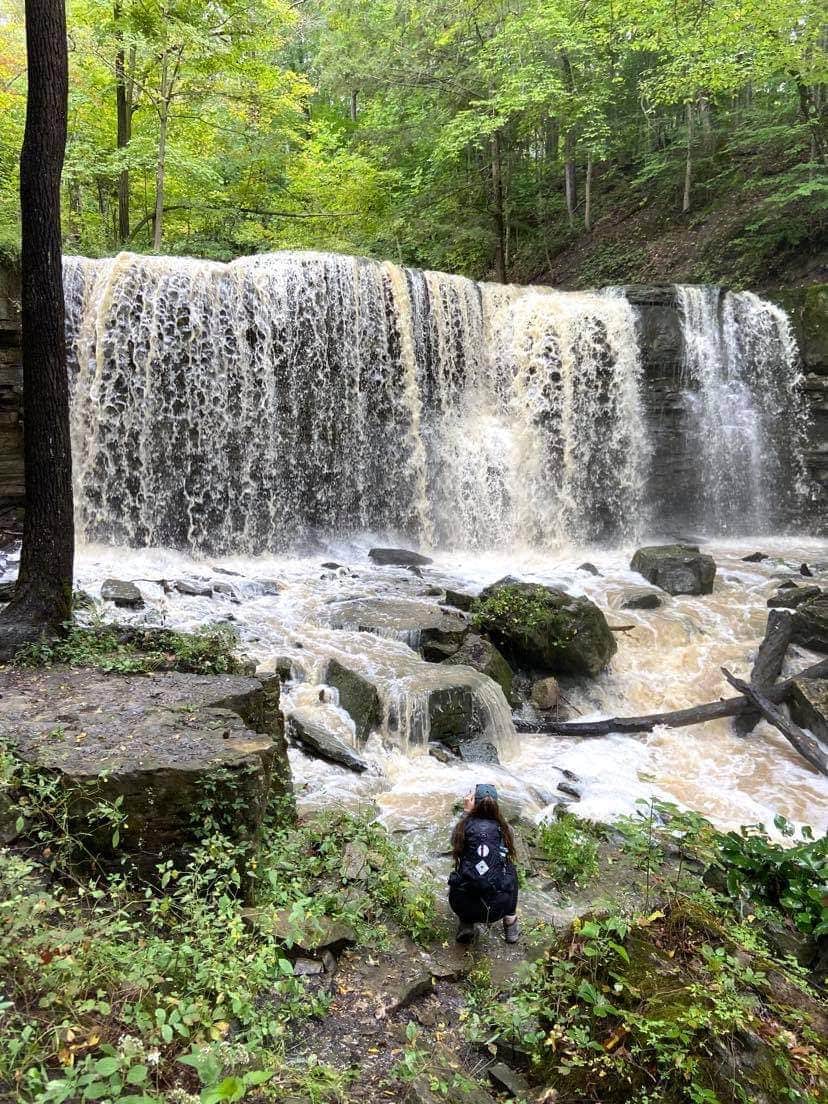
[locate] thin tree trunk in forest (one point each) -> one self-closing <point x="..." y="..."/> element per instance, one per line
<point x="588" y="194"/>
<point x="688" y="168"/>
<point x="124" y="127"/>
<point x="570" y="179"/>
<point x="497" y="196"/>
<point x="42" y="600"/>
<point x="354" y="95"/>
<point x="163" y="117"/>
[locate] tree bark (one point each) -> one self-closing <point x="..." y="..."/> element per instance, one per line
<point x="677" y="718"/>
<point x="688" y="166"/>
<point x="354" y="108"/>
<point x="124" y="128"/>
<point x="588" y="194"/>
<point x="768" y="664"/>
<point x="499" y="221"/>
<point x="163" y="118"/>
<point x="570" y="176"/>
<point x="42" y="600"/>
<point x="807" y="747"/>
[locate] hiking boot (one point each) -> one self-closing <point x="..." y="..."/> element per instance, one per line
<point x="511" y="932"/>
<point x="465" y="932"/>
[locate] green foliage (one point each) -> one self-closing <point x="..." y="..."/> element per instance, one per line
<point x="632" y="1009"/>
<point x="380" y="129"/>
<point x="111" y="990"/>
<point x="793" y="877"/>
<point x="570" y="847"/>
<point x="209" y="650"/>
<point x="522" y="613"/>
<point x="748" y="864"/>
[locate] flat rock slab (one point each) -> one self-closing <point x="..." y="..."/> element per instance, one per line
<point x="174" y="747"/>
<point x="317" y="741"/>
<point x="424" y="626"/>
<point x="809" y="706"/>
<point x="398" y="557"/>
<point x="125" y="595"/>
<point x="810" y="624"/>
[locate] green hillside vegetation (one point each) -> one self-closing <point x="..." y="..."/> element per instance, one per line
<point x="570" y="141"/>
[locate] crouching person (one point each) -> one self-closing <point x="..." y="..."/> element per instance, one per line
<point x="483" y="885"/>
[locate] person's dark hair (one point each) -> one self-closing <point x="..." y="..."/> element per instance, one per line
<point x="487" y="809"/>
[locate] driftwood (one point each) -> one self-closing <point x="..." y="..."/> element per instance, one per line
<point x="768" y="664"/>
<point x="622" y="628"/>
<point x="807" y="747"/>
<point x="677" y="718"/>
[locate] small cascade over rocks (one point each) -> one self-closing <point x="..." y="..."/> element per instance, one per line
<point x="276" y="401"/>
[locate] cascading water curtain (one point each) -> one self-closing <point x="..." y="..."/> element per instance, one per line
<point x="746" y="426"/>
<point x="280" y="399"/>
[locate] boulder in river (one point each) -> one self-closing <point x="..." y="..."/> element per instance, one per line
<point x="459" y="599"/>
<point x="398" y="557"/>
<point x="358" y="696"/>
<point x="641" y="600"/>
<point x="546" y="693"/>
<point x="676" y="568"/>
<point x="166" y="745"/>
<point x="791" y="597"/>
<point x="478" y="652"/>
<point x="197" y="588"/>
<point x="317" y="741"/>
<point x="545" y="629"/>
<point x="124" y="595"/>
<point x="810" y="624"/>
<point x="809" y="706"/>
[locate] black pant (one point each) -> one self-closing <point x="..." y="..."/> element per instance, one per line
<point x="474" y="906"/>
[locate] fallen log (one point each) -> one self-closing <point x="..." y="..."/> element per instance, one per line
<point x="676" y="718"/>
<point x="806" y="745"/>
<point x="767" y="666"/>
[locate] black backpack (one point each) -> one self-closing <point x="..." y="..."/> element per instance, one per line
<point x="483" y="862"/>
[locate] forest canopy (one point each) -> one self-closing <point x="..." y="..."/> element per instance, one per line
<point x="486" y="138"/>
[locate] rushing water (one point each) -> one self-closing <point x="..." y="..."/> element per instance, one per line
<point x="746" y="415"/>
<point x="283" y="399"/>
<point x="671" y="659"/>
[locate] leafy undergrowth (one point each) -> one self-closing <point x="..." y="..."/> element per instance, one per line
<point x="693" y="998"/>
<point x="122" y="650"/>
<point x="165" y="992"/>
<point x="570" y="847"/>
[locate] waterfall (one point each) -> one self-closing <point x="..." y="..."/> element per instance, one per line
<point x="746" y="422"/>
<point x="269" y="402"/>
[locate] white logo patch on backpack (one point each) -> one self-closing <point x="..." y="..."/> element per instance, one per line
<point x="482" y="867"/>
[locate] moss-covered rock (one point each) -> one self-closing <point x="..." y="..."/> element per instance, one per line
<point x="541" y="628"/>
<point x="810" y="624"/>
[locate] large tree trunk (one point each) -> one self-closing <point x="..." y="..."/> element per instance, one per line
<point x="570" y="177"/>
<point x="124" y="127"/>
<point x="588" y="194"/>
<point x="163" y="118"/>
<point x="688" y="164"/>
<point x="499" y="221"/>
<point x="42" y="600"/>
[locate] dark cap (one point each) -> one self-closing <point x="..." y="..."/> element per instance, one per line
<point x="483" y="789"/>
